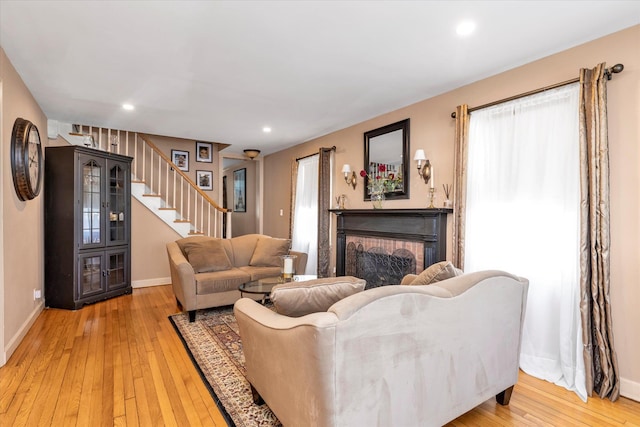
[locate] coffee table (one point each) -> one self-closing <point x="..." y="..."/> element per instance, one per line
<point x="264" y="286"/>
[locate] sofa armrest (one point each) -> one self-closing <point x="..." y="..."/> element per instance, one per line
<point x="301" y="261"/>
<point x="182" y="277"/>
<point x="290" y="361"/>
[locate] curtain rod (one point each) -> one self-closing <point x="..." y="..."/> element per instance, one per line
<point x="313" y="154"/>
<point x="608" y="72"/>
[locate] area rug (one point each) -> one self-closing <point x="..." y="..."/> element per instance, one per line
<point x="213" y="342"/>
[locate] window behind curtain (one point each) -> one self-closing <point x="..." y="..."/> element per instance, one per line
<point x="523" y="217"/>
<point x="305" y="221"/>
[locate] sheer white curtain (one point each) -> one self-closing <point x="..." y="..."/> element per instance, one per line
<point x="523" y="217"/>
<point x="305" y="221"/>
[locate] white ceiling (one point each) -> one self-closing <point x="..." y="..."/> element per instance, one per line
<point x="219" y="71"/>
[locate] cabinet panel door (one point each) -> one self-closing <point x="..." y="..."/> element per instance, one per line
<point x="117" y="203"/>
<point x="117" y="269"/>
<point x="92" y="206"/>
<point x="90" y="274"/>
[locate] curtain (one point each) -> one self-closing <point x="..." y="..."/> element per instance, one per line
<point x="599" y="355"/>
<point x="305" y="210"/>
<point x="460" y="184"/>
<point x="294" y="191"/>
<point x="324" y="216"/>
<point x="522" y="216"/>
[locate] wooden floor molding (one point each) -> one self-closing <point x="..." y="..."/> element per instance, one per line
<point x="119" y="362"/>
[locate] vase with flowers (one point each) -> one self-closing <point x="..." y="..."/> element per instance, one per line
<point x="381" y="183"/>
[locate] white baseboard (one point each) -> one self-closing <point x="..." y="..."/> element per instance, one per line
<point x="630" y="389"/>
<point x="15" y="341"/>
<point x="151" y="282"/>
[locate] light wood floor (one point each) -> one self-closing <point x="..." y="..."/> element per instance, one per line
<point x="120" y="362"/>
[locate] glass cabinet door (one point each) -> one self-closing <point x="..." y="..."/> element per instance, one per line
<point x="91" y="272"/>
<point x="117" y="271"/>
<point x="117" y="203"/>
<point x="92" y="228"/>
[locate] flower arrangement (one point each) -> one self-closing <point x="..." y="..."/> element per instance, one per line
<point x="383" y="182"/>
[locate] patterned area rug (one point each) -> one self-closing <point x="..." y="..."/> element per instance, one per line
<point x="213" y="342"/>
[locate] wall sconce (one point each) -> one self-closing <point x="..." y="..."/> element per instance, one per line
<point x="251" y="153"/>
<point x="349" y="176"/>
<point x="423" y="170"/>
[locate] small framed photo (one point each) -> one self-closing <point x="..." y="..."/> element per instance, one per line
<point x="204" y="152"/>
<point x="205" y="180"/>
<point x="240" y="190"/>
<point x="180" y="159"/>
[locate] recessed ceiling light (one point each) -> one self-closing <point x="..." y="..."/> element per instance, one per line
<point x="128" y="107"/>
<point x="266" y="129"/>
<point x="465" y="28"/>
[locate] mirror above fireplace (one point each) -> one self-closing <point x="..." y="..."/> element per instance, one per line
<point x="386" y="155"/>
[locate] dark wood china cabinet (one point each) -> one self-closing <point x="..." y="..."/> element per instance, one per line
<point x="87" y="226"/>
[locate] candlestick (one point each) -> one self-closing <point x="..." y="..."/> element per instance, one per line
<point x="432" y="196"/>
<point x="432" y="177"/>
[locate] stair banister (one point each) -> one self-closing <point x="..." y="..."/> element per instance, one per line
<point x="182" y="174"/>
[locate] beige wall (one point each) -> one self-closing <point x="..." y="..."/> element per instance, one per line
<point x="149" y="237"/>
<point x="433" y="130"/>
<point x="22" y="222"/>
<point x="244" y="222"/>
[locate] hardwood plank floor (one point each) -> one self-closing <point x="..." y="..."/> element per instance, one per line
<point x="119" y="362"/>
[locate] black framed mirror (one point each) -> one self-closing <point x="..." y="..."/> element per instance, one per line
<point x="386" y="160"/>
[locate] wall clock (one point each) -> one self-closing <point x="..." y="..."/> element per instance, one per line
<point x="26" y="159"/>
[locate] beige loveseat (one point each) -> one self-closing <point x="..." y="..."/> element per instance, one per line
<point x="389" y="356"/>
<point x="206" y="271"/>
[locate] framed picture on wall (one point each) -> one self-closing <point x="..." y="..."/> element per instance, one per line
<point x="240" y="190"/>
<point x="204" y="152"/>
<point x="180" y="159"/>
<point x="205" y="180"/>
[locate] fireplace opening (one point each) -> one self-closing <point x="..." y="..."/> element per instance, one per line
<point x="378" y="266"/>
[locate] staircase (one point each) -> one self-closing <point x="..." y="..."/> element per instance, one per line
<point x="156" y="182"/>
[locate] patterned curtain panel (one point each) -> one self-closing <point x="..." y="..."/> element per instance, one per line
<point x="601" y="363"/>
<point x="460" y="183"/>
<point x="294" y="189"/>
<point x="324" y="218"/>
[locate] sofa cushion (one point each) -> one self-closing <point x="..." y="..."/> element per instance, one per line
<point x="207" y="255"/>
<point x="258" y="273"/>
<point x="243" y="247"/>
<point x="220" y="281"/>
<point x="436" y="272"/>
<point x="268" y="250"/>
<point x="297" y="299"/>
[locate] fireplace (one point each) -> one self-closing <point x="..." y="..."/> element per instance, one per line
<point x="377" y="265"/>
<point x="383" y="245"/>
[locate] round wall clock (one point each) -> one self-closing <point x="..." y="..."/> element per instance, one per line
<point x="26" y="159"/>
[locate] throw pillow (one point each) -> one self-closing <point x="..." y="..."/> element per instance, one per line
<point x="297" y="299"/>
<point x="268" y="250"/>
<point x="207" y="255"/>
<point x="435" y="273"/>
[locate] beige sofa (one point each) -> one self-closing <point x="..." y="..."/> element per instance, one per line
<point x="206" y="271"/>
<point x="389" y="356"/>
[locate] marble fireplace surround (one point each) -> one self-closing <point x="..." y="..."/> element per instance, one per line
<point x="422" y="232"/>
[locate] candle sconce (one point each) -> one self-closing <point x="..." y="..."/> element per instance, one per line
<point x="349" y="176"/>
<point x="424" y="170"/>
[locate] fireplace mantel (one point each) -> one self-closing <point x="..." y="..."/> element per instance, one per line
<point x="428" y="226"/>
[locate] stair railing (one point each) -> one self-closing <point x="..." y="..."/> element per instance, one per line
<point x="164" y="179"/>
